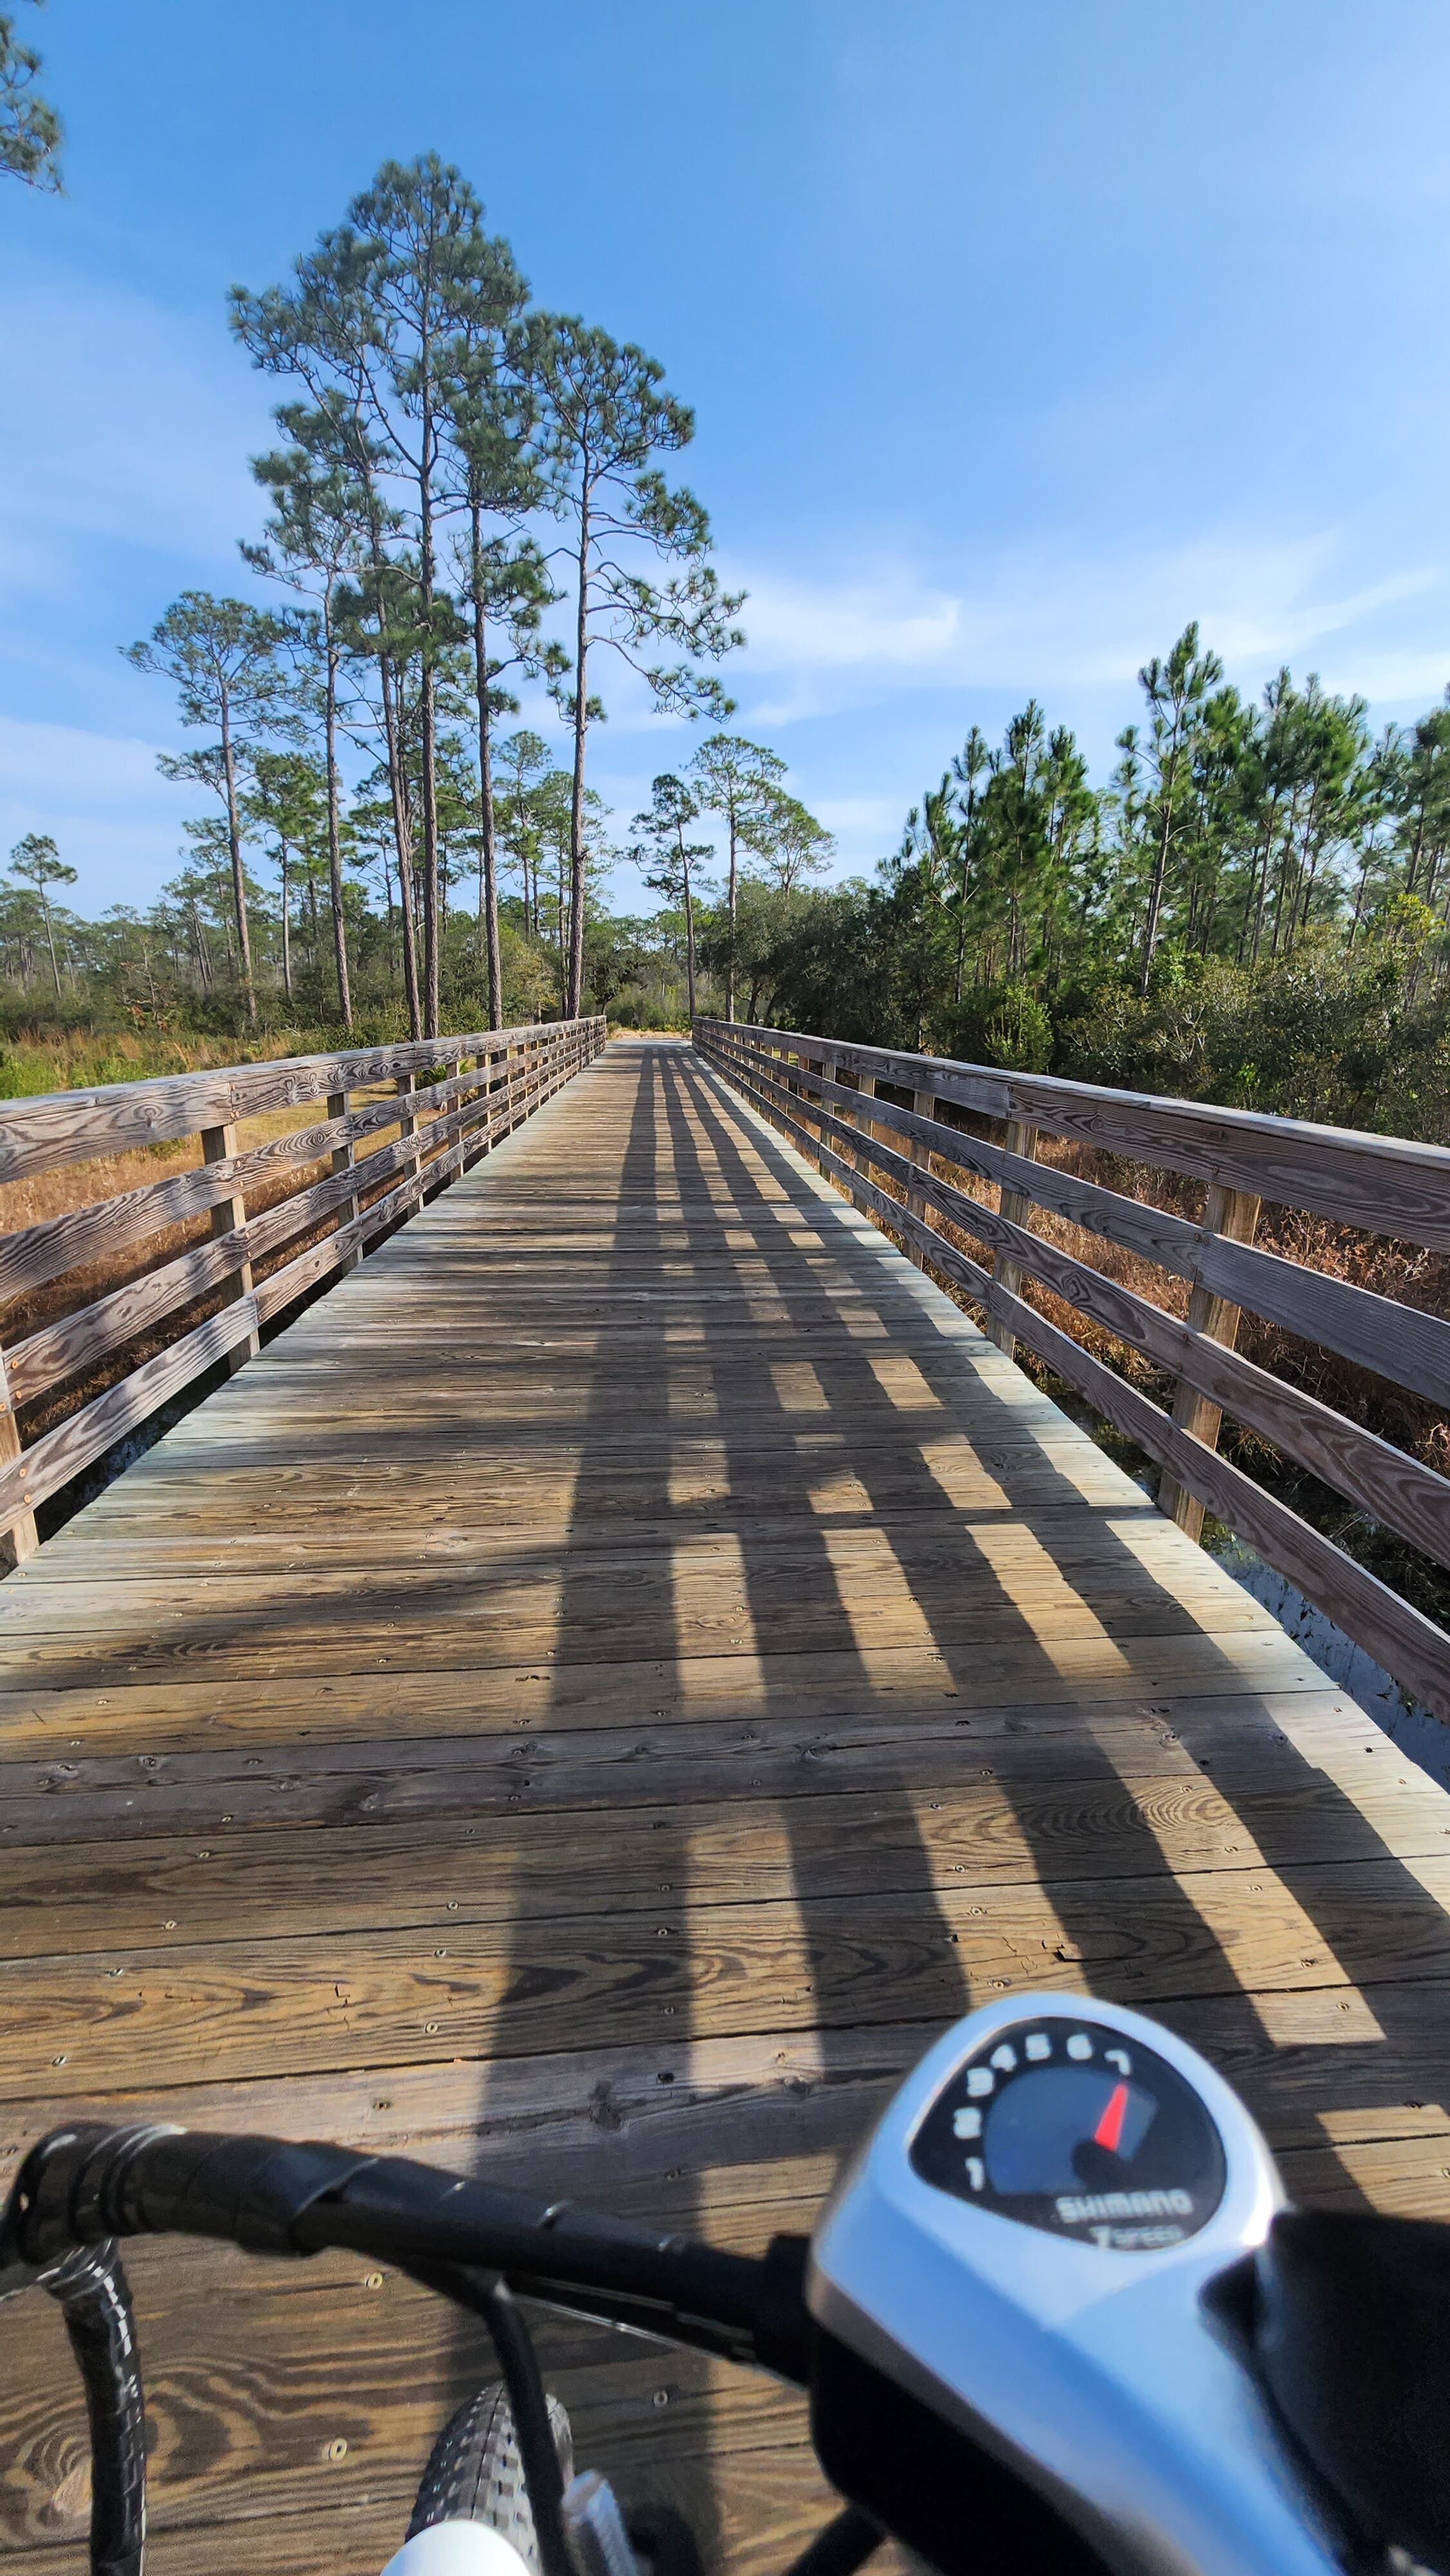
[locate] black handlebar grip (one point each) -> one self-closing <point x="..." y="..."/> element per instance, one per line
<point x="84" y="2184"/>
<point x="91" y="2291"/>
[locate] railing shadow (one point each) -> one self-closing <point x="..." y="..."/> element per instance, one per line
<point x="1327" y="1900"/>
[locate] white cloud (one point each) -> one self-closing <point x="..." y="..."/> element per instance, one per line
<point x="123" y="422"/>
<point x="100" y="798"/>
<point x="1042" y="618"/>
<point x="889" y="619"/>
<point x="863" y="827"/>
<point x="1411" y="676"/>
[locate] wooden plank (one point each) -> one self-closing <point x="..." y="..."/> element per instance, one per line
<point x="541" y="1543"/>
<point x="248" y="1780"/>
<point x="1016" y="1208"/>
<point x="1259" y="1809"/>
<point x="254" y="2007"/>
<point x="617" y="2124"/>
<point x="17" y="1524"/>
<point x="219" y="1145"/>
<point x="761" y="2512"/>
<point x="1231" y="1213"/>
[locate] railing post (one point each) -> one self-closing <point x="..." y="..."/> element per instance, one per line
<point x="342" y="1161"/>
<point x="218" y="1145"/>
<point x="924" y="1104"/>
<point x="1015" y="1204"/>
<point x="828" y="1074"/>
<point x="21" y="1534"/>
<point x="1236" y="1214"/>
<point x="866" y="1085"/>
<point x="405" y="1084"/>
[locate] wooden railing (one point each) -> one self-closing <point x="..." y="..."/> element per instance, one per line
<point x="887" y="1153"/>
<point x="444" y="1101"/>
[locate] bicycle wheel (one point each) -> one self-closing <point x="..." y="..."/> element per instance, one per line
<point x="475" y="2473"/>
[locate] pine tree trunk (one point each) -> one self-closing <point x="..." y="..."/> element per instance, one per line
<point x="1155" y="897"/>
<point x="388" y="916"/>
<point x="50" y="943"/>
<point x="402" y="842"/>
<point x="689" y="944"/>
<point x="730" y="966"/>
<point x="286" y="922"/>
<point x="428" y="728"/>
<point x="575" y="987"/>
<point x="334" y="835"/>
<point x="239" y="882"/>
<point x="487" y="846"/>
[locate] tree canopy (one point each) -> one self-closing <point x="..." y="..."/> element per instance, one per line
<point x="30" y="134"/>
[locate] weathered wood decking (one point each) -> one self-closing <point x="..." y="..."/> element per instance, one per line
<point x="593" y="1698"/>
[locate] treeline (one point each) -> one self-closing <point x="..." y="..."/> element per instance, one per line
<point x="1254" y="909"/>
<point x="330" y="955"/>
<point x="180" y="965"/>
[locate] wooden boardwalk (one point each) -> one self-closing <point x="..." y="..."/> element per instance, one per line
<point x="591" y="1700"/>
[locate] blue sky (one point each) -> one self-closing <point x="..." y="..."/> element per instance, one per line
<point x="1017" y="336"/>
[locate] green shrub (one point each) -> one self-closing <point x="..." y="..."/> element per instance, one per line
<point x="998" y="1024"/>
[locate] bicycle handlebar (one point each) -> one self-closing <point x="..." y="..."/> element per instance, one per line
<point x="85" y="2185"/>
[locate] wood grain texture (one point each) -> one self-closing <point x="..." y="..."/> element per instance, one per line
<point x="430" y="1155"/>
<point x="593" y="1697"/>
<point x="1403" y="1343"/>
<point x="1387" y="1184"/>
<point x="62" y="1127"/>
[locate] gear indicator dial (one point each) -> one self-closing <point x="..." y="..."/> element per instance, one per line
<point x="1067" y="2126"/>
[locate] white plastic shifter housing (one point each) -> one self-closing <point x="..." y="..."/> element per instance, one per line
<point x="1022" y="2246"/>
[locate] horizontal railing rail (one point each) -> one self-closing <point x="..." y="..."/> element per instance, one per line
<point x="445" y="1102"/>
<point x="886" y="1155"/>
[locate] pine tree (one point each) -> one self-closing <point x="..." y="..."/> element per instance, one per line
<point x="734" y="779"/>
<point x="223" y="659"/>
<point x="668" y="862"/>
<point x="38" y="863"/>
<point x="603" y="414"/>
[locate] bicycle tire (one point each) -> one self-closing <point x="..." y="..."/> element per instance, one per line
<point x="475" y="2472"/>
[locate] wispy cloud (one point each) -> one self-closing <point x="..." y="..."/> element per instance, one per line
<point x="863" y="826"/>
<point x="1041" y="618"/>
<point x="891" y="619"/>
<point x="99" y="796"/>
<point x="127" y="423"/>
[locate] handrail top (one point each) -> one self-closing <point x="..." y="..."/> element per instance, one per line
<point x="1387" y="1185"/>
<point x="45" y="1130"/>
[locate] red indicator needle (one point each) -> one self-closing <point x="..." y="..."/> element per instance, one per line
<point x="1110" y="2127"/>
